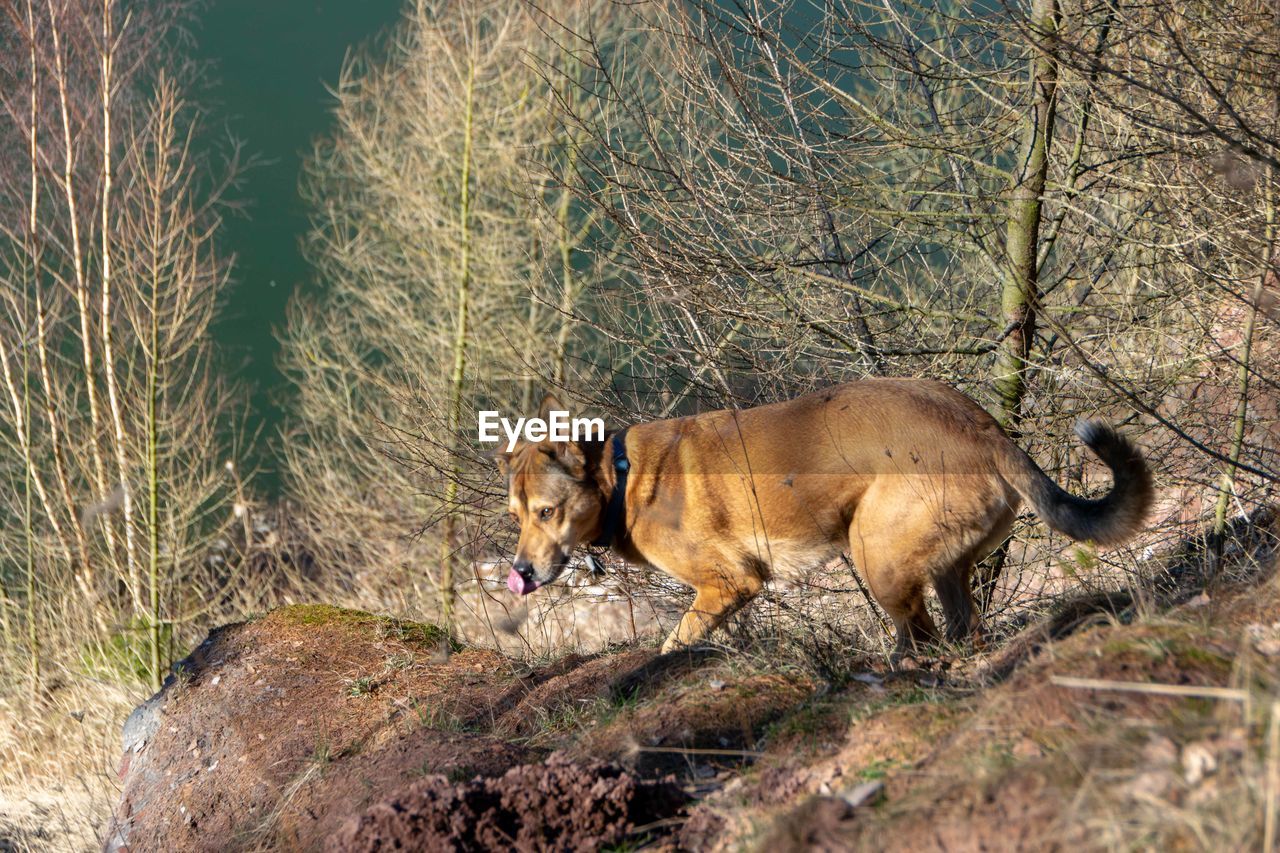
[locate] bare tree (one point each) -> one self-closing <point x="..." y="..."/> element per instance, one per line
<point x="454" y="270"/>
<point x="1199" y="85"/>
<point x="113" y="448"/>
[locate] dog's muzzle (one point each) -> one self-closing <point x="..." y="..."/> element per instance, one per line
<point x="521" y="581"/>
<point x="524" y="577"/>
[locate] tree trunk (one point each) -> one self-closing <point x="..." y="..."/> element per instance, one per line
<point x="1020" y="293"/>
<point x="1019" y="296"/>
<point x="459" y="359"/>
<point x="1240" y="418"/>
<point x="567" y="286"/>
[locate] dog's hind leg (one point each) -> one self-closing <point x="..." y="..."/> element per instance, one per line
<point x="956" y="597"/>
<point x="911" y="620"/>
<point x="955" y="586"/>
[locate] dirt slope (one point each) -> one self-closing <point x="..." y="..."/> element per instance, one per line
<point x="279" y="731"/>
<point x="314" y="726"/>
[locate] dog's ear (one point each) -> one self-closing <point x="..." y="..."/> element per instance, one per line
<point x="551" y="403"/>
<point x="501" y="458"/>
<point x="570" y="455"/>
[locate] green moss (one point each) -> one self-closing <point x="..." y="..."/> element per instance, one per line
<point x="420" y="633"/>
<point x="1151" y="648"/>
<point x="321" y="614"/>
<point x="896" y="697"/>
<point x="879" y="769"/>
<point x="326" y="615"/>
<point x="1191" y="654"/>
<point x="1187" y="647"/>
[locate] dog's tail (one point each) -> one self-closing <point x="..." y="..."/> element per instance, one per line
<point x="1108" y="520"/>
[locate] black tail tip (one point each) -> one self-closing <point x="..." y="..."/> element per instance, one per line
<point x="1094" y="432"/>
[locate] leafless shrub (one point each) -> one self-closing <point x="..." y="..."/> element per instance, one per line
<point x="114" y="443"/>
<point x="1047" y="204"/>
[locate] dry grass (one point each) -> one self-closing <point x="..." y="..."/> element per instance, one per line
<point x="59" y="754"/>
<point x="1203" y="775"/>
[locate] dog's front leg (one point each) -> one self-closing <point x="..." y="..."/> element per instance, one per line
<point x="711" y="606"/>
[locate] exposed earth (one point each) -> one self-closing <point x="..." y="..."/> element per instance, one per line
<point x="1107" y="724"/>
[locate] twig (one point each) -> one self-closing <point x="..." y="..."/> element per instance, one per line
<point x="683" y="750"/>
<point x="1272" y="789"/>
<point x="1186" y="690"/>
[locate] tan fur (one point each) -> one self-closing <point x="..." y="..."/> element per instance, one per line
<point x="910" y="477"/>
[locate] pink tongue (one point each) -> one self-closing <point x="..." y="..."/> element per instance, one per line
<point x="519" y="585"/>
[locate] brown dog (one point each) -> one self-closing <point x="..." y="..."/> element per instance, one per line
<point x="910" y="477"/>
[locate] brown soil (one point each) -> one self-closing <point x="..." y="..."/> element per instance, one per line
<point x="559" y="805"/>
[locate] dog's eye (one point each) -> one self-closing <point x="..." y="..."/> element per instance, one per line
<point x="547" y="512"/>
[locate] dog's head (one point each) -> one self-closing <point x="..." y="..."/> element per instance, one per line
<point x="554" y="498"/>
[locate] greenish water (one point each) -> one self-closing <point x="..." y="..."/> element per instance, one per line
<point x="272" y="60"/>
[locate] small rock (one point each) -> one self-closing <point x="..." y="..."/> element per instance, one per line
<point x="1264" y="638"/>
<point x="864" y="794"/>
<point x="213" y="682"/>
<point x="1026" y="748"/>
<point x="868" y="678"/>
<point x="1267" y="648"/>
<point x="1198" y="761"/>
<point x="1199" y="601"/>
<point x="716" y="684"/>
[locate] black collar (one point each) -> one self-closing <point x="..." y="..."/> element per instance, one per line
<point x="616" y="510"/>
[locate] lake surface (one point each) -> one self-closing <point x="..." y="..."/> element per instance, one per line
<point x="272" y="62"/>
